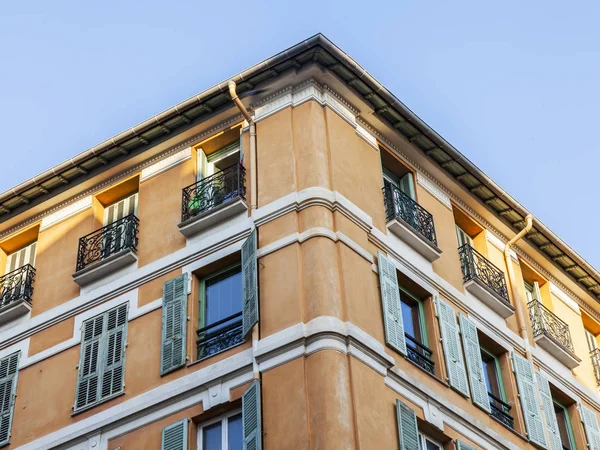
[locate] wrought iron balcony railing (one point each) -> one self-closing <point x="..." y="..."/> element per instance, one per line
<point x="219" y="336"/>
<point x="419" y="354"/>
<point x="17" y="285"/>
<point x="476" y="266"/>
<point x="595" y="356"/>
<point x="107" y="241"/>
<point x="398" y="204"/>
<point x="545" y="322"/>
<point x="213" y="191"/>
<point x="500" y="411"/>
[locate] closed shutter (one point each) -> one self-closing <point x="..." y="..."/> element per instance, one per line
<point x="251" y="421"/>
<point x="390" y="301"/>
<point x="102" y="357"/>
<point x="592" y="430"/>
<point x="121" y="209"/>
<point x="529" y="400"/>
<point x="9" y="367"/>
<point x="408" y="433"/>
<point x="455" y="364"/>
<point x="249" y="284"/>
<point x="549" y="413"/>
<point x="462" y="446"/>
<point x="21" y="258"/>
<point x="479" y="393"/>
<point x="175" y="436"/>
<point x="174" y="324"/>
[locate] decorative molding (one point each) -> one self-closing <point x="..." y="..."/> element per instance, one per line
<point x="368" y="137"/>
<point x="433" y="189"/>
<point x="66" y="212"/>
<point x="166" y="164"/>
<point x="562" y="295"/>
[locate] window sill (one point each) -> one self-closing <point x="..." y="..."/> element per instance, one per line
<point x="212" y="217"/>
<point x="104" y="400"/>
<point x="100" y="269"/>
<point x="14" y="309"/>
<point x="414" y="239"/>
<point x="214" y="354"/>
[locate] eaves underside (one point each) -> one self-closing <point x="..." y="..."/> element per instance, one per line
<point x="317" y="49"/>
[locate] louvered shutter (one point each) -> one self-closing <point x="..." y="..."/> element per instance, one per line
<point x="408" y="433"/>
<point x="175" y="436"/>
<point x="249" y="284"/>
<point x="89" y="362"/>
<point x="251" y="421"/>
<point x="549" y="413"/>
<point x="462" y="446"/>
<point x="479" y="393"/>
<point x="455" y="364"/>
<point x="9" y="369"/>
<point x="390" y="301"/>
<point x="113" y="368"/>
<point x="121" y="209"/>
<point x="174" y="324"/>
<point x="592" y="430"/>
<point x="529" y="400"/>
<point x="21" y="258"/>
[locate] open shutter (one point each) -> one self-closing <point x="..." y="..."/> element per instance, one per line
<point x="549" y="413"/>
<point x="249" y="284"/>
<point x="592" y="430"/>
<point x="462" y="446"/>
<point x="390" y="300"/>
<point x="89" y="362"/>
<point x="9" y="369"/>
<point x="408" y="433"/>
<point x="113" y="363"/>
<point x="175" y="436"/>
<point x="455" y="364"/>
<point x="174" y="324"/>
<point x="529" y="400"/>
<point x="479" y="393"/>
<point x="251" y="417"/>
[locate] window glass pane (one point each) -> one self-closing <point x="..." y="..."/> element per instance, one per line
<point x="490" y="374"/>
<point x="432" y="446"/>
<point x="211" y="437"/>
<point x="561" y="418"/>
<point x="234" y="432"/>
<point x="223" y="296"/>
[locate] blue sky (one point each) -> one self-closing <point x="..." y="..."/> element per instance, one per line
<point x="513" y="85"/>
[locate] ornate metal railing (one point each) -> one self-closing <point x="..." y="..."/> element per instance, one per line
<point x="476" y="266"/>
<point x="419" y="354"/>
<point x="17" y="285"/>
<point x="219" y="336"/>
<point x="500" y="411"/>
<point x="398" y="204"/>
<point x="213" y="191"/>
<point x="107" y="241"/>
<point x="549" y="324"/>
<point x="595" y="355"/>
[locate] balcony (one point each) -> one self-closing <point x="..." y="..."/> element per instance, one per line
<point x="410" y="222"/>
<point x="219" y="336"/>
<point x="552" y="334"/>
<point x="16" y="289"/>
<point x="485" y="281"/>
<point x="106" y="250"/>
<point x="213" y="200"/>
<point x="500" y="411"/>
<point x="418" y="354"/>
<point x="595" y="356"/>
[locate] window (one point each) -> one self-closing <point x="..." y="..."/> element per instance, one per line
<point x="9" y="369"/>
<point x="220" y="319"/>
<point x="426" y="443"/>
<point x="17" y="284"/>
<point x="532" y="291"/>
<point x="492" y="376"/>
<point x="101" y="370"/>
<point x="415" y="331"/>
<point x="591" y="340"/>
<point x="403" y="182"/>
<point x="463" y="237"/>
<point x="224" y="433"/>
<point x="21" y="257"/>
<point x="218" y="160"/>
<point x="120" y="209"/>
<point x="564" y="426"/>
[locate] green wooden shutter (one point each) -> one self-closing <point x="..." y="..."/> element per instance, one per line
<point x="479" y="393"/>
<point x="592" y="430"/>
<point x="174" y="324"/>
<point x="175" y="436"/>
<point x="408" y="433"/>
<point x="390" y="300"/>
<point x="89" y="362"/>
<point x="249" y="284"/>
<point x="113" y="363"/>
<point x="251" y="417"/>
<point x="549" y="413"/>
<point x="8" y="392"/>
<point x="462" y="446"/>
<point x="529" y="400"/>
<point x="455" y="364"/>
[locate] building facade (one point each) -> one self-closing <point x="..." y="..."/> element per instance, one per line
<point x="306" y="267"/>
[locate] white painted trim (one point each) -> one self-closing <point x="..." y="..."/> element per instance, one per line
<point x="497" y="242"/>
<point x="223" y="419"/>
<point x="165" y="164"/>
<point x="66" y="212"/>
<point x="367" y="137"/>
<point x="427" y="184"/>
<point x="562" y="295"/>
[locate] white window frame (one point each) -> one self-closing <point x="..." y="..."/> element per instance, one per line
<point x="223" y="418"/>
<point x="423" y="438"/>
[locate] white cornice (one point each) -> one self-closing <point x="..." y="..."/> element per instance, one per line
<point x="66" y="212"/>
<point x="562" y="295"/>
<point x="433" y="189"/>
<point x="166" y="163"/>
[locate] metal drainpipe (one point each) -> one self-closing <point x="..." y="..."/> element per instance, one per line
<point x="253" y="195"/>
